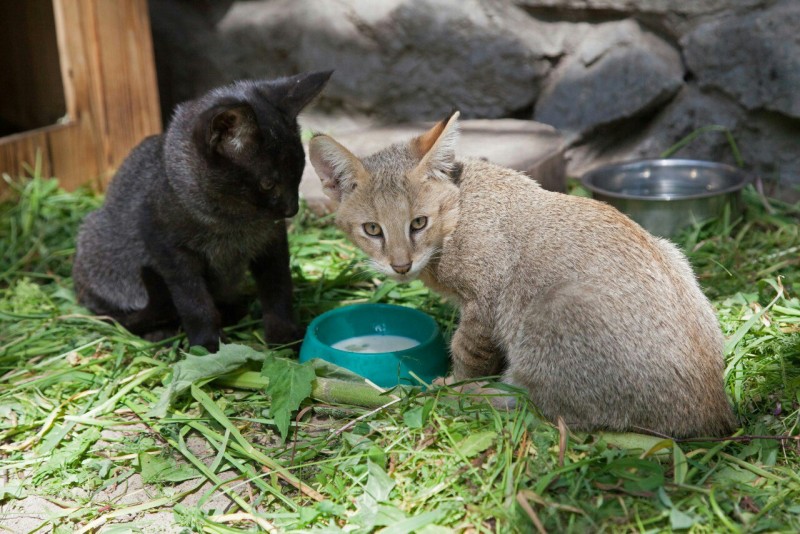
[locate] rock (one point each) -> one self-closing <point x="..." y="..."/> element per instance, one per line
<point x="695" y="7"/>
<point x="755" y="58"/>
<point x="689" y="111"/>
<point x="401" y="59"/>
<point x="668" y="17"/>
<point x="770" y="144"/>
<point x="618" y="72"/>
<point x="533" y="148"/>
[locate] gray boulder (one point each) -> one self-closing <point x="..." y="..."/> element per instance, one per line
<point x="770" y="145"/>
<point x="670" y="17"/>
<point x="692" y="113"/>
<point x="618" y="72"/>
<point x="402" y="59"/>
<point x="692" y="7"/>
<point x="754" y="58"/>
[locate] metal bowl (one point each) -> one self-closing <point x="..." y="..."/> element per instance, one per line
<point x="666" y="195"/>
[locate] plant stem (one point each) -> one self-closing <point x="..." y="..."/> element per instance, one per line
<point x="328" y="390"/>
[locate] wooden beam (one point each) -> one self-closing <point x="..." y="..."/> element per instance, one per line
<point x="108" y="71"/>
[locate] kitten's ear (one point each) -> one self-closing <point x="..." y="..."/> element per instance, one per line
<point x="295" y="93"/>
<point x="230" y="129"/>
<point x="338" y="169"/>
<point x="436" y="148"/>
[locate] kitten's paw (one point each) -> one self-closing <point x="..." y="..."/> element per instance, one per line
<point x="281" y="332"/>
<point x="211" y="345"/>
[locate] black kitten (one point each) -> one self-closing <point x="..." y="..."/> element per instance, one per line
<point x="189" y="210"/>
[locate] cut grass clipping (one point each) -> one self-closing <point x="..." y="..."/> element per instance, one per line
<point x="100" y="430"/>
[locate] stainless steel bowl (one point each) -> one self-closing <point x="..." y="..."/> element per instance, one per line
<point x="666" y="195"/>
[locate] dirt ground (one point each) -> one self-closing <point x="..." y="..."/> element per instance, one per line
<point x="39" y="513"/>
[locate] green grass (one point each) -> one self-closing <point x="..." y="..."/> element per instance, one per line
<point x="75" y="391"/>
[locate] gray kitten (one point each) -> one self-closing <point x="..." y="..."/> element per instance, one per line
<point x="190" y="210"/>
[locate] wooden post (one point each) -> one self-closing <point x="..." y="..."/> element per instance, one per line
<point x="109" y="85"/>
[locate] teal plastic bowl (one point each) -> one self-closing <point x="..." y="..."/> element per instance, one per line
<point x="428" y="360"/>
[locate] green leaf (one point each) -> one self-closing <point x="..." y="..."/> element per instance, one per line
<point x="156" y="469"/>
<point x="679" y="520"/>
<point x="388" y="515"/>
<point x="68" y="455"/>
<point x="194" y="369"/>
<point x="637" y="475"/>
<point x="308" y="514"/>
<point x="417" y="416"/>
<point x="366" y="514"/>
<point x="331" y="508"/>
<point x="379" y="484"/>
<point x="680" y="465"/>
<point x="383" y="290"/>
<point x="413" y="524"/>
<point x="476" y="443"/>
<point x="733" y="475"/>
<point x="11" y="491"/>
<point x="289" y="385"/>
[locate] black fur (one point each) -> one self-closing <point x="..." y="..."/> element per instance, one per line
<point x="190" y="210"/>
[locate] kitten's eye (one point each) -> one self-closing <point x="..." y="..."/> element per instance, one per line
<point x="419" y="223"/>
<point x="266" y="185"/>
<point x="373" y="229"/>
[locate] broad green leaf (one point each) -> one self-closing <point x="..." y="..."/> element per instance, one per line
<point x="371" y="514"/>
<point x="12" y="490"/>
<point x="379" y="484"/>
<point x="638" y="475"/>
<point x="417" y="416"/>
<point x="308" y="514"/>
<point x="414" y="418"/>
<point x="388" y="515"/>
<point x="663" y="497"/>
<point x="330" y="508"/>
<point x="733" y="475"/>
<point x="193" y="369"/>
<point x="413" y="524"/>
<point x="476" y="443"/>
<point x="156" y="469"/>
<point x="679" y="520"/>
<point x="366" y="514"/>
<point x="680" y="465"/>
<point x="289" y="385"/>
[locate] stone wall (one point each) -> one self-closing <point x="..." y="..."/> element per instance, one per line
<point x="620" y="78"/>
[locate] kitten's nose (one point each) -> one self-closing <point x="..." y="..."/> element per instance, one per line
<point x="402" y="269"/>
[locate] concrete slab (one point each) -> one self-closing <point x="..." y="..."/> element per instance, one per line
<point x="531" y="147"/>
